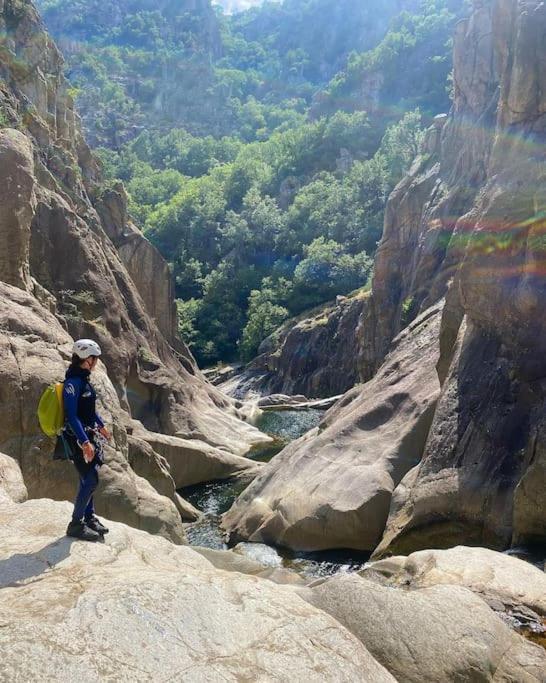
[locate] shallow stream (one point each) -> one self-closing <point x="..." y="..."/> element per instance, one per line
<point x="215" y="498"/>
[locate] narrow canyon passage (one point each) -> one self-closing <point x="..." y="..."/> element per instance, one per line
<point x="215" y="498"/>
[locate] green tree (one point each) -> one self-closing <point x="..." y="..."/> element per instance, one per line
<point x="265" y="314"/>
<point x="326" y="271"/>
<point x="401" y="144"/>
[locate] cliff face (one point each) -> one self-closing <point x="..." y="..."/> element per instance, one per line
<point x="71" y="265"/>
<point x="483" y="471"/>
<point x="464" y="240"/>
<point x="314" y="355"/>
<point x="417" y="256"/>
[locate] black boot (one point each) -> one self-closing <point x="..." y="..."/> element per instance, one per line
<point x="82" y="531"/>
<point x="96" y="525"/>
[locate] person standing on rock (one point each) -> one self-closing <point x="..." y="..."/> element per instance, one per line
<point x="82" y="426"/>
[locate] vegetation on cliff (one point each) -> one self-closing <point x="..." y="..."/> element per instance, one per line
<point x="285" y="218"/>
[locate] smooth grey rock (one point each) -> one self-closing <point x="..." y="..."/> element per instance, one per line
<point x="441" y="633"/>
<point x="139" y="608"/>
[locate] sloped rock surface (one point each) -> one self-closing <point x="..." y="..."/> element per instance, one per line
<point x="332" y="488"/>
<point x="137" y="608"/>
<point x="155" y="469"/>
<point x="193" y="462"/>
<point x="442" y="633"/>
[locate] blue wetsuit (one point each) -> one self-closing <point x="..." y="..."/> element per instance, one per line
<point x="80" y="413"/>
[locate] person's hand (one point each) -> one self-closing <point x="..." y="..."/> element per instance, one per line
<point x="105" y="433"/>
<point x="88" y="451"/>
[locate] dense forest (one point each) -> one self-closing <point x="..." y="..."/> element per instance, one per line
<point x="258" y="149"/>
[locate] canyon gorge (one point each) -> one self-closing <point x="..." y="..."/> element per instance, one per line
<point x="432" y="462"/>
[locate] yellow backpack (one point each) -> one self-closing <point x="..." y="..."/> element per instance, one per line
<point x="51" y="410"/>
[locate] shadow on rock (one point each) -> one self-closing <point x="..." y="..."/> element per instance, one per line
<point x="17" y="569"/>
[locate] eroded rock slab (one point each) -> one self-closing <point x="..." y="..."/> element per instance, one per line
<point x="193" y="462"/>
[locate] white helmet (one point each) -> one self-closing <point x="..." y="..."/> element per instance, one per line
<point x="83" y="348"/>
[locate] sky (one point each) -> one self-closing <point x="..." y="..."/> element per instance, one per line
<point x="237" y="5"/>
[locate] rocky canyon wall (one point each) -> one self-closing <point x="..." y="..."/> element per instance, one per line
<point x="315" y="354"/>
<point x="72" y="265"/>
<point x="463" y="248"/>
<point x="483" y="470"/>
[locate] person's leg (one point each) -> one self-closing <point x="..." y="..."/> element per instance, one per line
<point x="88" y="484"/>
<point x="90" y="508"/>
<point x="91" y="520"/>
<point x="77" y="528"/>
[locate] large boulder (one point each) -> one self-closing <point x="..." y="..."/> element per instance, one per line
<point x="474" y="483"/>
<point x="11" y="480"/>
<point x="332" y="488"/>
<point x="500" y="579"/>
<point x="442" y="633"/>
<point x="155" y="469"/>
<point x="193" y="461"/>
<point x="137" y="608"/>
